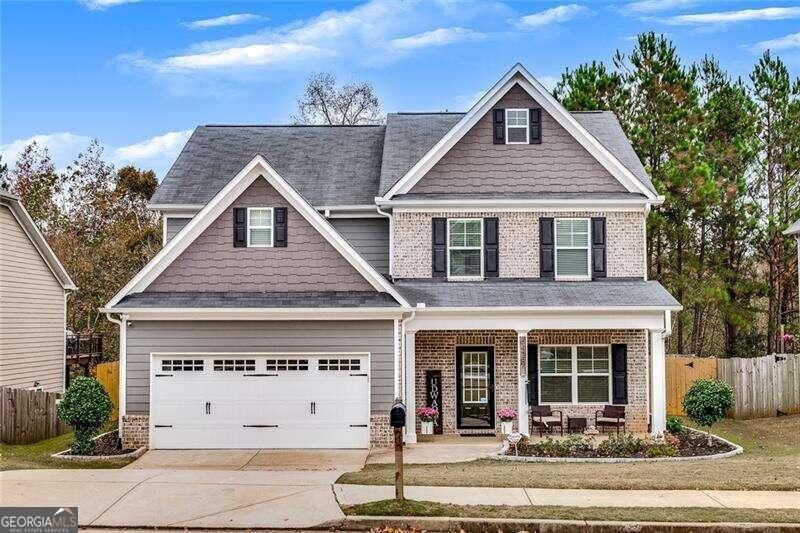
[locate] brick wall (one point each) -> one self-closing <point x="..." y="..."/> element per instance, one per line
<point x="381" y="435"/>
<point x="135" y="431"/>
<point x="519" y="242"/>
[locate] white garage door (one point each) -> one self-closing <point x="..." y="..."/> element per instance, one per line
<point x="260" y="401"/>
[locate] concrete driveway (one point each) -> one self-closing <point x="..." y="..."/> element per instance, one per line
<point x="203" y="489"/>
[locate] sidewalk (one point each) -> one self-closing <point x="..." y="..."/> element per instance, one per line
<point x="741" y="499"/>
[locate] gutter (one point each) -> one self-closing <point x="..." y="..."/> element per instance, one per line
<point x="391" y="238"/>
<point x="122" y="322"/>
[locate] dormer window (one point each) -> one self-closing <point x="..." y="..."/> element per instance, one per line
<point x="259" y="227"/>
<point x="517" y="126"/>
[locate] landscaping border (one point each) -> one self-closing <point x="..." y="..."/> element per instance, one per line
<point x="500" y="455"/>
<point x="64" y="455"/>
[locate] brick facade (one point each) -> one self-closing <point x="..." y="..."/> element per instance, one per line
<point x="381" y="435"/>
<point x="519" y="241"/>
<point x="135" y="431"/>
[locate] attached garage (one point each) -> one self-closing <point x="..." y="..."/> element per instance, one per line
<point x="252" y="400"/>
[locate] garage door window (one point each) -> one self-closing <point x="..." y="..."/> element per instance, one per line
<point x="182" y="365"/>
<point x="339" y="364"/>
<point x="234" y="365"/>
<point x="277" y="365"/>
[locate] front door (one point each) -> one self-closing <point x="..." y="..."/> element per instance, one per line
<point x="475" y="387"/>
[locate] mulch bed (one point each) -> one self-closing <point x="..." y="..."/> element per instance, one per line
<point x="693" y="444"/>
<point x="108" y="444"/>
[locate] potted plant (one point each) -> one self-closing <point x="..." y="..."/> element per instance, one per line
<point x="506" y="416"/>
<point x="427" y="416"/>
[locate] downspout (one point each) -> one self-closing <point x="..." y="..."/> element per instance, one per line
<point x="391" y="238"/>
<point x="398" y="387"/>
<point x="122" y="322"/>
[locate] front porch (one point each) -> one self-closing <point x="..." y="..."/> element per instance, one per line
<point x="469" y="374"/>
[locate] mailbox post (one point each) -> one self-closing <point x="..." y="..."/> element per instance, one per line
<point x="397" y="419"/>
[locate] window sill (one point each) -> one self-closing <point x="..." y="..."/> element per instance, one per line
<point x="465" y="278"/>
<point x="573" y="278"/>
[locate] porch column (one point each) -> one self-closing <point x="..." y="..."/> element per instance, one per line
<point x="659" y="386"/>
<point x="522" y="382"/>
<point x="410" y="395"/>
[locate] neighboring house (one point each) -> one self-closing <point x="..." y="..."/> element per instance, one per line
<point x="33" y="293"/>
<point x="794" y="231"/>
<point x="311" y="274"/>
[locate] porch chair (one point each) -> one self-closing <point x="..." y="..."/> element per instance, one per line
<point x="611" y="416"/>
<point x="546" y="419"/>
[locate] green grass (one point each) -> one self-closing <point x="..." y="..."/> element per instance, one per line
<point x="626" y="514"/>
<point x="37" y="455"/>
<point x="771" y="461"/>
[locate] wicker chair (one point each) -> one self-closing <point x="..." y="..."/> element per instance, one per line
<point x="611" y="416"/>
<point x="546" y="419"/>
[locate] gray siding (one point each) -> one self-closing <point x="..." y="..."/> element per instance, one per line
<point x="370" y="238"/>
<point x="174" y="225"/>
<point x="371" y="336"/>
<point x="31" y="312"/>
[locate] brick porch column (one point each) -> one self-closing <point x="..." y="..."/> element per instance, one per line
<point x="658" y="392"/>
<point x="410" y="381"/>
<point x="523" y="425"/>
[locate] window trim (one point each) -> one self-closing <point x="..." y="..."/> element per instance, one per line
<point x="271" y="227"/>
<point x="588" y="248"/>
<point x="479" y="247"/>
<point x="527" y="126"/>
<point x="574" y="374"/>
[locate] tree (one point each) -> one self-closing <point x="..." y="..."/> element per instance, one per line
<point x="325" y="103"/>
<point x="35" y="180"/>
<point x="86" y="407"/>
<point x="4" y="184"/>
<point x="591" y="86"/>
<point x="707" y="401"/>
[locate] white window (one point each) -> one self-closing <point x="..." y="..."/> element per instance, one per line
<point x="572" y="248"/>
<point x="575" y="374"/>
<point x="259" y="227"/>
<point x="465" y="247"/>
<point x="517" y="129"/>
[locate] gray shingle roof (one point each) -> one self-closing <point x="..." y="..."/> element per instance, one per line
<point x="516" y="196"/>
<point x="253" y="300"/>
<point x="328" y="165"/>
<point x="537" y="293"/>
<point x="794" y="229"/>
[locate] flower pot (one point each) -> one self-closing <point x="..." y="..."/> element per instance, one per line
<point x="507" y="427"/>
<point x="427" y="427"/>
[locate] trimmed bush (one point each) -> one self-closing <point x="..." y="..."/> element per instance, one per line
<point x="674" y="425"/>
<point x="707" y="401"/>
<point x="86" y="407"/>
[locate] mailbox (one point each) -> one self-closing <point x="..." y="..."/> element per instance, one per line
<point x="397" y="416"/>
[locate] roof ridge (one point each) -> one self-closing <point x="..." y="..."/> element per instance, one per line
<point x="292" y="125"/>
<point x="429" y="113"/>
<point x="590" y="111"/>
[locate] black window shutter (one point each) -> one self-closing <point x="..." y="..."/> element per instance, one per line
<point x="280" y="227"/>
<point x="598" y="247"/>
<point x="499" y="126"/>
<point x="239" y="227"/>
<point x="439" y="247"/>
<point x="536" y="126"/>
<point x="546" y="248"/>
<point x="533" y="374"/>
<point x="491" y="247"/>
<point x="619" y="374"/>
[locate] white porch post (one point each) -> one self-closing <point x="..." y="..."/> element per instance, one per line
<point x="410" y="395"/>
<point x="522" y="382"/>
<point x="659" y="387"/>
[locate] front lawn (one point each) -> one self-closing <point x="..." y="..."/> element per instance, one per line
<point x="771" y="461"/>
<point x="627" y="514"/>
<point x="37" y="455"/>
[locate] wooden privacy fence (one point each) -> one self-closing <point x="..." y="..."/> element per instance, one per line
<point x="681" y="372"/>
<point x="762" y="386"/>
<point x="108" y="376"/>
<point x="28" y="416"/>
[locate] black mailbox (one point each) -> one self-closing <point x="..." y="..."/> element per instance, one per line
<point x="397" y="416"/>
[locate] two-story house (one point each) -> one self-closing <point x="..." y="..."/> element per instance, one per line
<point x="310" y="275"/>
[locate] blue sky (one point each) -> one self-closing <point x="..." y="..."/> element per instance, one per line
<point x="139" y="75"/>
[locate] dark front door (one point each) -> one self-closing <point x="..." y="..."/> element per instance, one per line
<point x="475" y="387"/>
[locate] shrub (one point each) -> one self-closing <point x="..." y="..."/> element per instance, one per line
<point x="706" y="402"/>
<point x="572" y="446"/>
<point x="674" y="425"/>
<point x="664" y="449"/>
<point x="86" y="407"/>
<point x="622" y="445"/>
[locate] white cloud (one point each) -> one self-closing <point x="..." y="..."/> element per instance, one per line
<point x="729" y="17"/>
<point x="63" y="147"/>
<point x="787" y="42"/>
<point x="99" y="5"/>
<point x="553" y="15"/>
<point x="438" y="37"/>
<point x="246" y="56"/>
<point x="226" y="20"/>
<point x="654" y="6"/>
<point x="167" y="145"/>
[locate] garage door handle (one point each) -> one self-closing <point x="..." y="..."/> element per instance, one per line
<point x="163" y="375"/>
<point x="358" y="425"/>
<point x="258" y="426"/>
<point x="260" y="375"/>
<point x="360" y="375"/>
<point x="163" y="425"/>
<point x="208" y="408"/>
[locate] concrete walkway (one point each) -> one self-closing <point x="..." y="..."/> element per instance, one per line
<point x="355" y="494"/>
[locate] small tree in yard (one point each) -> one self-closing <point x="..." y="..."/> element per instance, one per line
<point x="86" y="407"/>
<point x="706" y="402"/>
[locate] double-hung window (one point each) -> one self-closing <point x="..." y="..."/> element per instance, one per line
<point x="259" y="227"/>
<point x="574" y="374"/>
<point x="465" y="247"/>
<point x="572" y="248"/>
<point x="517" y="126"/>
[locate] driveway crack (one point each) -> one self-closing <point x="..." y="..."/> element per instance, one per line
<point x="715" y="499"/>
<point x="115" y="502"/>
